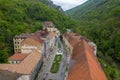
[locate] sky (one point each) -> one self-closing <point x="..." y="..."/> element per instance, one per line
<point x="68" y="4"/>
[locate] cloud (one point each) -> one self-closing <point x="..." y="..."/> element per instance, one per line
<point x="68" y="4"/>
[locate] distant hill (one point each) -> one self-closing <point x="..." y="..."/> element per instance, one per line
<point x="21" y="16"/>
<point x="50" y="3"/>
<point x="99" y="20"/>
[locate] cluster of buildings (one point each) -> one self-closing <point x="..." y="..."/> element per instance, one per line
<point x="82" y="60"/>
<point x="31" y="50"/>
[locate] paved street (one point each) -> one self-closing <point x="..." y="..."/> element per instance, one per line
<point x="45" y="73"/>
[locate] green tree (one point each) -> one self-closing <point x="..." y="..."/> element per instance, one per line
<point x="3" y="56"/>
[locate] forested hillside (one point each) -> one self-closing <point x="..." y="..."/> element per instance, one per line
<point x="52" y="5"/>
<point x="99" y="20"/>
<point x="21" y="16"/>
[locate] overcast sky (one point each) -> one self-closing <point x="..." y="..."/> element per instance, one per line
<point x="68" y="4"/>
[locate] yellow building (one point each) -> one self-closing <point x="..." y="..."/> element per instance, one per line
<point x="17" y="41"/>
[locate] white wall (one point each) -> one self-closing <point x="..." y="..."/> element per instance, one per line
<point x="27" y="48"/>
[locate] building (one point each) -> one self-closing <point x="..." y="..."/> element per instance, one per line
<point x="70" y="40"/>
<point x="51" y="39"/>
<point x="25" y="64"/>
<point x="26" y="69"/>
<point x="53" y="29"/>
<point x="17" y="58"/>
<point x="30" y="44"/>
<point x="47" y="24"/>
<point x="30" y="50"/>
<point x="17" y="41"/>
<point x="83" y="63"/>
<point x="45" y="36"/>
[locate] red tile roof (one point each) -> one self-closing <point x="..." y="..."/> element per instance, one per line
<point x="34" y="37"/>
<point x="26" y="66"/>
<point x="18" y="57"/>
<point x="72" y="38"/>
<point x="84" y="64"/>
<point x="32" y="41"/>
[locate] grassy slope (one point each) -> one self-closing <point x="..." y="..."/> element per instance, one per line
<point x="20" y="16"/>
<point x="100" y="21"/>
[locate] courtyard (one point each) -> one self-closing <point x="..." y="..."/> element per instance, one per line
<point x="56" y="63"/>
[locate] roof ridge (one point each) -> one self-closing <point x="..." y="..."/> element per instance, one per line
<point x="87" y="60"/>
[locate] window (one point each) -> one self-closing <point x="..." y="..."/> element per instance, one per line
<point x="18" y="50"/>
<point x="15" y="49"/>
<point x="17" y="62"/>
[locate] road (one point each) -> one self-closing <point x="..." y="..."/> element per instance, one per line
<point x="45" y="73"/>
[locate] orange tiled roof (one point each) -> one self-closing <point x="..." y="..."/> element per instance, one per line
<point x="32" y="41"/>
<point x="34" y="37"/>
<point x="84" y="64"/>
<point x="18" y="57"/>
<point x="26" y="66"/>
<point x="72" y="38"/>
